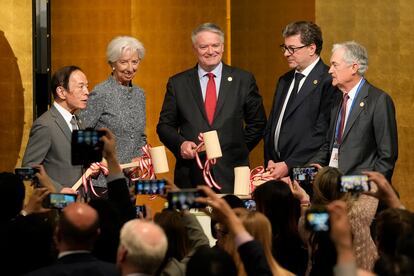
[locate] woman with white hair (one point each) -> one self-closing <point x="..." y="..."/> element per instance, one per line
<point x="118" y="104"/>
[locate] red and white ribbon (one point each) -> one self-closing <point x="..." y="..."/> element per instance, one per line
<point x="145" y="169"/>
<point x="258" y="174"/>
<point x="96" y="168"/>
<point x="208" y="178"/>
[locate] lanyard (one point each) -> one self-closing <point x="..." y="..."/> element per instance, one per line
<point x="350" y="110"/>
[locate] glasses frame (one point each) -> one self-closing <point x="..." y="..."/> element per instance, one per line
<point x="291" y="50"/>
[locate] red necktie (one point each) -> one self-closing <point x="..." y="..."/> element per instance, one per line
<point x="211" y="98"/>
<point x="343" y="117"/>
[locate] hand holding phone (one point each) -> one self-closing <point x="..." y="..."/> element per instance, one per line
<point x="86" y="146"/>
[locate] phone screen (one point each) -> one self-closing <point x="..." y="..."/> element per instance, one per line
<point x="185" y="199"/>
<point x="150" y="187"/>
<point x="304" y="173"/>
<point x="86" y="146"/>
<point x="355" y="183"/>
<point x="317" y="220"/>
<point x="59" y="201"/>
<point x="249" y="204"/>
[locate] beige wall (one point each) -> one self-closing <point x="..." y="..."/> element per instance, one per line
<point x="384" y="27"/>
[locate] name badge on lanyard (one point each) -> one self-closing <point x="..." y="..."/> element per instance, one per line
<point x="333" y="161"/>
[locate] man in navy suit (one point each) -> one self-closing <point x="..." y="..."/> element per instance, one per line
<point x="363" y="130"/>
<point x="299" y="118"/>
<point x="237" y="112"/>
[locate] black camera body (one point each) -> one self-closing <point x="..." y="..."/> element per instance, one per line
<point x="86" y="146"/>
<point x="26" y="173"/>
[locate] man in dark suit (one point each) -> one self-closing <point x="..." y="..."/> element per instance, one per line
<point x="75" y="234"/>
<point x="299" y="117"/>
<point x="50" y="137"/>
<point x="363" y="130"/>
<point x="211" y="96"/>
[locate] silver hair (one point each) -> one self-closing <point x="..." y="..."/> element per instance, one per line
<point x="148" y="257"/>
<point x="120" y="44"/>
<point x="354" y="52"/>
<point x="207" y="27"/>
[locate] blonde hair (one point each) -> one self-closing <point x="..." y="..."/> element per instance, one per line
<point x="260" y="228"/>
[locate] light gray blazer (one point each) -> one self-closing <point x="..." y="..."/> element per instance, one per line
<point x="50" y="144"/>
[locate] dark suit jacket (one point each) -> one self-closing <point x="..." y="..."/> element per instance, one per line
<point x="78" y="264"/>
<point x="254" y="259"/>
<point x="239" y="120"/>
<point x="305" y="123"/>
<point x="370" y="140"/>
<point x="50" y="144"/>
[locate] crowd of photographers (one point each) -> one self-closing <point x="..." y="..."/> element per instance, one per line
<point x="294" y="231"/>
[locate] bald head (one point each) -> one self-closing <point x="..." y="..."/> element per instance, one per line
<point x="143" y="245"/>
<point x="78" y="227"/>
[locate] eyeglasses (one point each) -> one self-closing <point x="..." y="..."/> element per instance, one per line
<point x="291" y="50"/>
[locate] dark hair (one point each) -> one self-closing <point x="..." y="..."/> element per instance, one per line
<point x="61" y="78"/>
<point x="11" y="204"/>
<point x="326" y="187"/>
<point x="275" y="200"/>
<point x="208" y="261"/>
<point x="309" y="33"/>
<point x="178" y="243"/>
<point x="392" y="225"/>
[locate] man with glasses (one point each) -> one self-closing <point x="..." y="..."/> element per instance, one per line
<point x="299" y="118"/>
<point x="363" y="130"/>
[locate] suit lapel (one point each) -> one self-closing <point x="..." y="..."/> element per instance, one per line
<point x="311" y="82"/>
<point x="358" y="105"/>
<point x="225" y="88"/>
<point x="61" y="123"/>
<point x="195" y="88"/>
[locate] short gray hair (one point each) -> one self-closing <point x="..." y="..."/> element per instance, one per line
<point x="207" y="27"/>
<point x="354" y="52"/>
<point x="122" y="43"/>
<point x="147" y="256"/>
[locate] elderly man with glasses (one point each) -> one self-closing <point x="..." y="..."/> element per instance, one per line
<point x="299" y="119"/>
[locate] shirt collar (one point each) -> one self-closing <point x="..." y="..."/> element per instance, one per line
<point x="354" y="89"/>
<point x="216" y="71"/>
<point x="308" y="69"/>
<point x="66" y="114"/>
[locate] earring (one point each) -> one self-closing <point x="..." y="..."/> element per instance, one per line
<point x="113" y="68"/>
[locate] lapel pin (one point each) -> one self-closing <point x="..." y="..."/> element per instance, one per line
<point x="229" y="78"/>
<point x="315" y="82"/>
<point x="361" y="104"/>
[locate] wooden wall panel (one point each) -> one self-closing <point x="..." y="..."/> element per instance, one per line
<point x="385" y="29"/>
<point x="256" y="28"/>
<point x="81" y="30"/>
<point x="16" y="86"/>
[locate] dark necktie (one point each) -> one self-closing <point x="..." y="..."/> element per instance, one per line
<point x="211" y="98"/>
<point x="74" y="123"/>
<point x="294" y="93"/>
<point x="343" y="118"/>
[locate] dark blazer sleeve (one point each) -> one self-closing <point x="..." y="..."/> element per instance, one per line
<point x="168" y="124"/>
<point x="254" y="116"/>
<point x="118" y="195"/>
<point x="386" y="137"/>
<point x="254" y="259"/>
